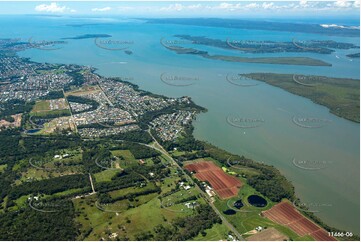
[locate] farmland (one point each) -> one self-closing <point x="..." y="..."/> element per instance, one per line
<point x="225" y="185"/>
<point x="247" y="217"/>
<point x="286" y="214"/>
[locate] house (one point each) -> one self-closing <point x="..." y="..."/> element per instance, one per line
<point x="36" y="198"/>
<point x="113" y="235"/>
<point x="209" y="192"/>
<point x="187" y="187"/>
<point x="191" y="205"/>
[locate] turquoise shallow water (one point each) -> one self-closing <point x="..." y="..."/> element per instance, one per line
<point x="332" y="191"/>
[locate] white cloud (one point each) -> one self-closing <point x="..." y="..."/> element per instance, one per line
<point x="229" y="6"/>
<point x="309" y="4"/>
<point x="342" y="4"/>
<point x="105" y="9"/>
<point x="301" y="5"/>
<point x="303" y="2"/>
<point x="251" y="5"/>
<point x="173" y="7"/>
<point x="195" y="6"/>
<point x="181" y="7"/>
<point x="267" y="5"/>
<point x="51" y="8"/>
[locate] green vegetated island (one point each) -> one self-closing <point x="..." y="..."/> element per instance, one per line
<point x="99" y="159"/>
<point x="252" y="46"/>
<point x="355" y="55"/>
<point x="340" y="95"/>
<point x="306" y="61"/>
<point x="89" y="36"/>
<point x="260" y="25"/>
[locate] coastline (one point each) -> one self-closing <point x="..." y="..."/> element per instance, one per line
<point x="165" y="96"/>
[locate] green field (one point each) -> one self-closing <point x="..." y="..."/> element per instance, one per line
<point x="243" y="170"/>
<point x="125" y="158"/>
<point x="125" y="191"/>
<point x="173" y="202"/>
<point x="126" y="216"/>
<point x="42" y="109"/>
<point x="67" y="192"/>
<point x="2" y="168"/>
<point x="216" y="233"/>
<point x="46" y="166"/>
<point x="169" y="183"/>
<point x="176" y="153"/>
<point x="105" y="175"/>
<point x="51" y="113"/>
<point x="41" y="106"/>
<point x="21" y="202"/>
<point x="127" y="219"/>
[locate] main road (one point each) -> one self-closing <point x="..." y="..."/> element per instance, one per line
<point x="160" y="148"/>
<point x="224" y="220"/>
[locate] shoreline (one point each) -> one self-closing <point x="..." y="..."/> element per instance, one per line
<point x="259" y="163"/>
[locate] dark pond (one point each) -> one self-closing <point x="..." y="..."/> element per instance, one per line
<point x="229" y="212"/>
<point x="257" y="201"/>
<point x="32" y="131"/>
<point x="238" y="204"/>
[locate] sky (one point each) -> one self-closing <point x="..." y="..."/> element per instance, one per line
<point x="185" y="8"/>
